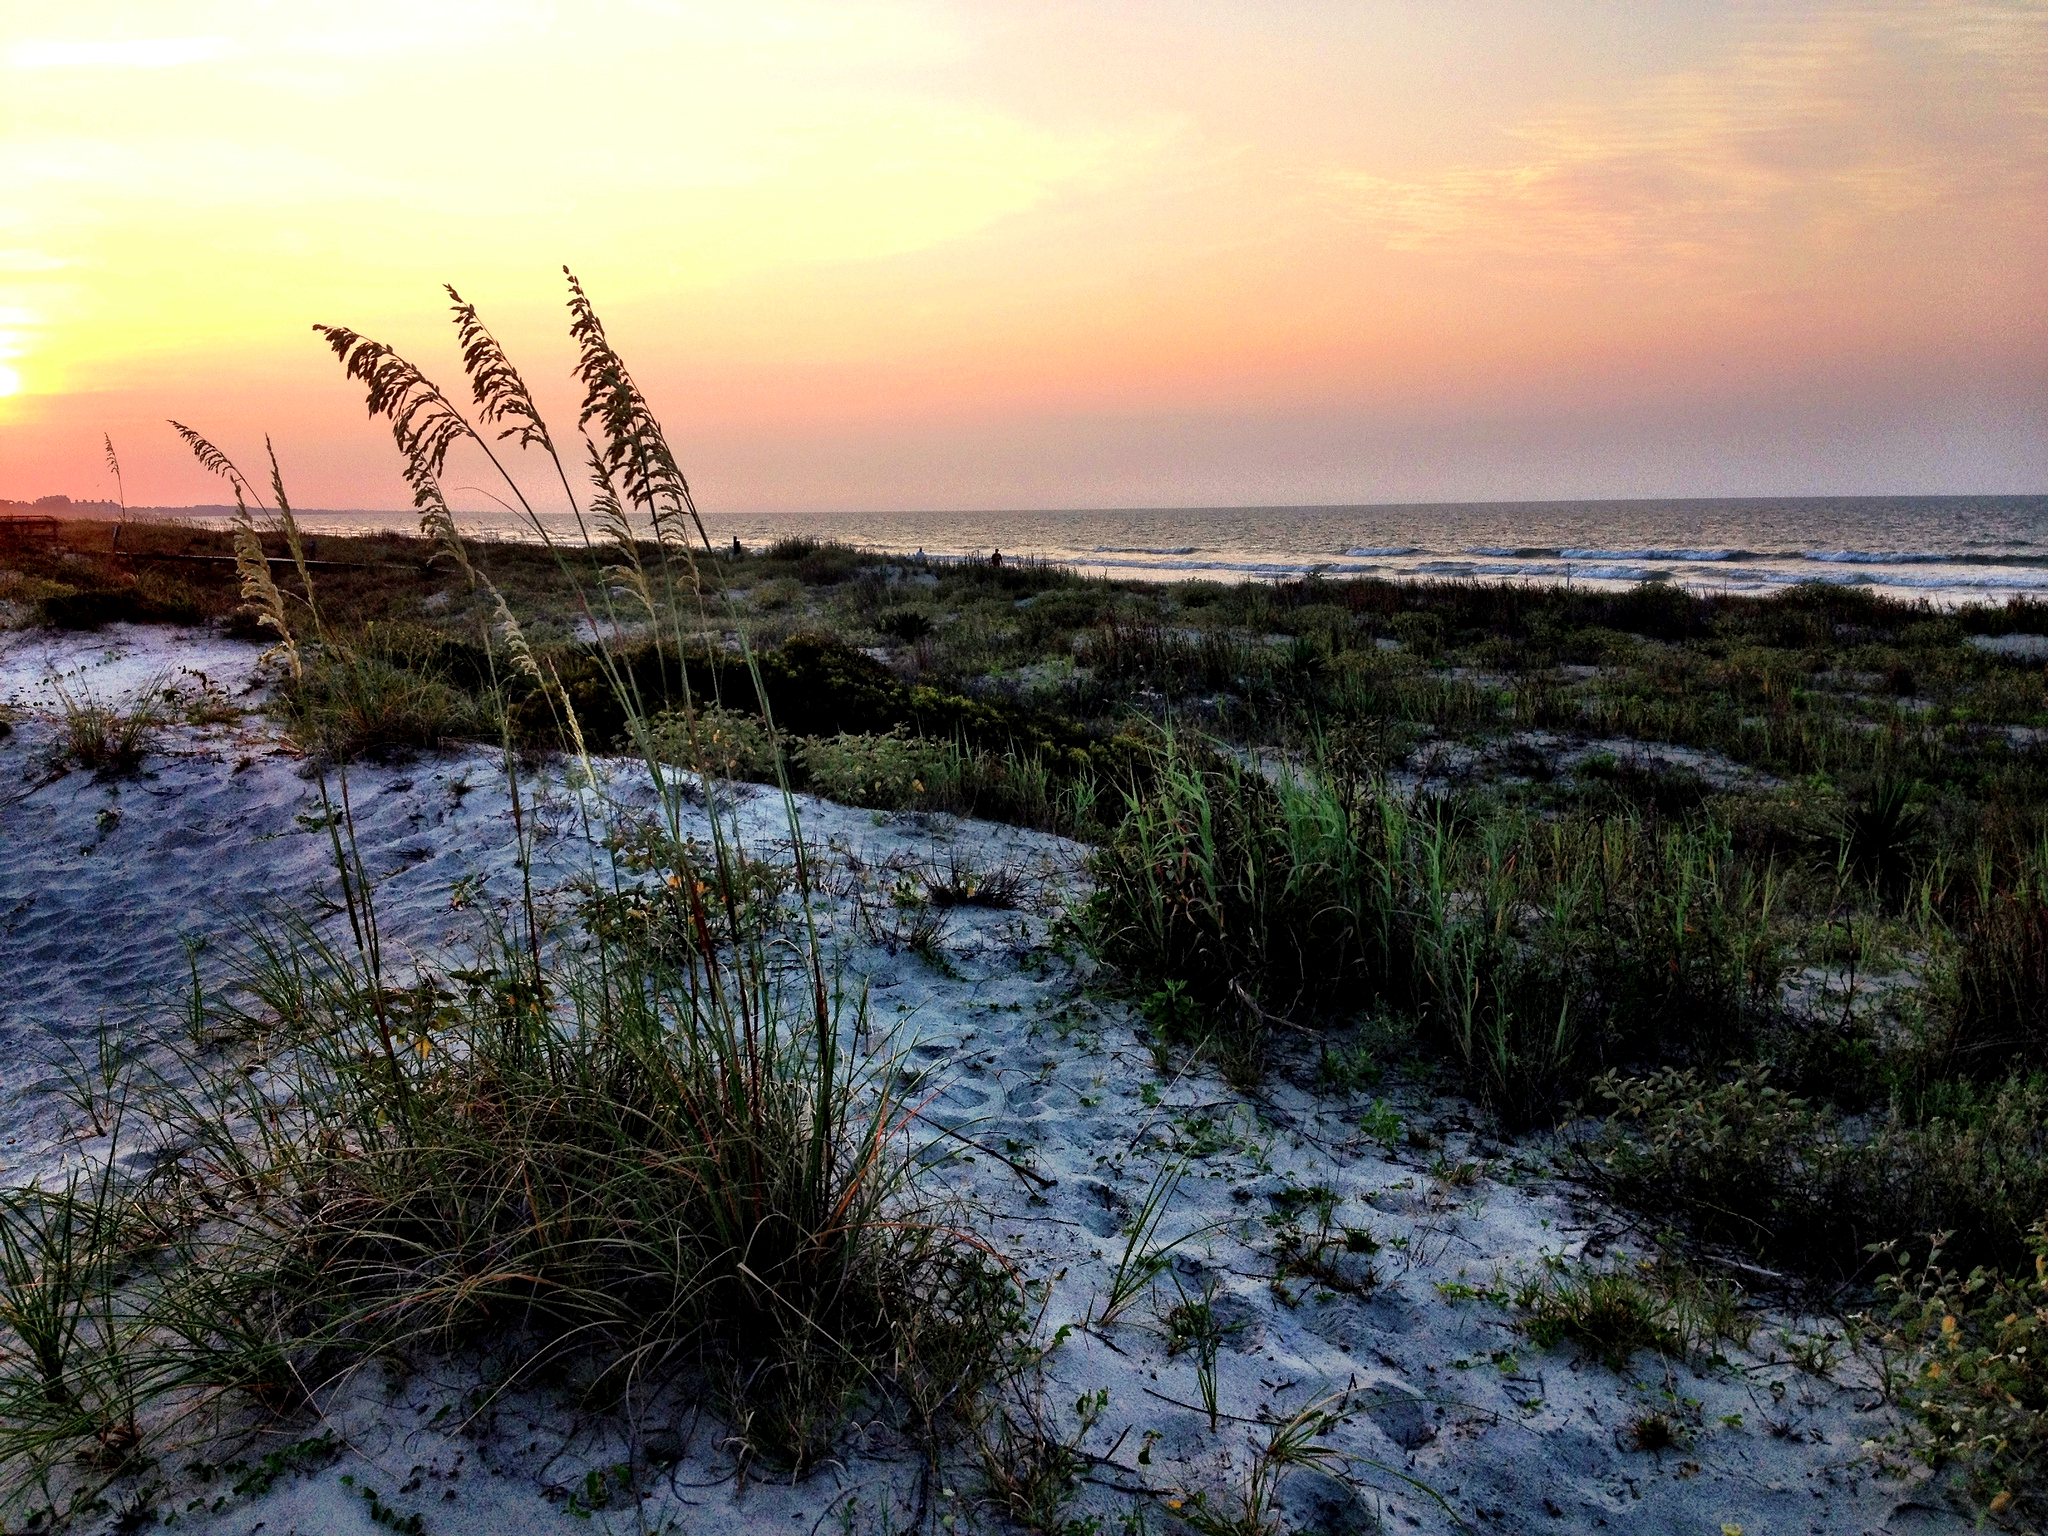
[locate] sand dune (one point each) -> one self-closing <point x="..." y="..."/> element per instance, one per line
<point x="1447" y="1398"/>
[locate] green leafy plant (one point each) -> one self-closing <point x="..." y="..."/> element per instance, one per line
<point x="729" y="743"/>
<point x="1979" y="1385"/>
<point x="885" y="772"/>
<point x="1743" y="1162"/>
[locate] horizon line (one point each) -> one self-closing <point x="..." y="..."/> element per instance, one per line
<point x="995" y="510"/>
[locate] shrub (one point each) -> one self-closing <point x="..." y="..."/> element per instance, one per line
<point x="1979" y="1376"/>
<point x="724" y="742"/>
<point x="1422" y="633"/>
<point x="814" y="685"/>
<point x="1178" y="661"/>
<point x="792" y="547"/>
<point x="1994" y="985"/>
<point x="1746" y="1164"/>
<point x="149" y="599"/>
<point x="701" y="900"/>
<point x="462" y="664"/>
<point x="883" y="772"/>
<point x="983" y="757"/>
<point x="1594" y="645"/>
<point x="1025" y="788"/>
<point x="905" y="624"/>
<point x="1973" y="1163"/>
<point x="896" y="771"/>
<point x="1878" y="834"/>
<point x="1741" y="1163"/>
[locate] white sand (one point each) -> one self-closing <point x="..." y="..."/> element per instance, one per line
<point x="1019" y="1056"/>
<point x="2018" y="647"/>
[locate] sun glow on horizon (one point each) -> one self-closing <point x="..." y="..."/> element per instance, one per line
<point x="913" y="253"/>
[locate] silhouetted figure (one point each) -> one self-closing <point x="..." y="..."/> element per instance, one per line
<point x="996" y="560"/>
<point x="736" y="550"/>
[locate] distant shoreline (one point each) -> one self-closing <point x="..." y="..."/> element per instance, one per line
<point x="1946" y="550"/>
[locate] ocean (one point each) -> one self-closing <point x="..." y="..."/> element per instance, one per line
<point x="1947" y="549"/>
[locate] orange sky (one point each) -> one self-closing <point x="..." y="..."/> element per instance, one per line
<point x="1054" y="254"/>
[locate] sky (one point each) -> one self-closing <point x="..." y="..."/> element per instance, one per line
<point x="871" y="254"/>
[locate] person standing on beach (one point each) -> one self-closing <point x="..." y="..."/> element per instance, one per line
<point x="996" y="560"/>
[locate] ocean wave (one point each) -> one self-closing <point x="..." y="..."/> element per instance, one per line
<point x="1873" y="557"/>
<point x="1245" y="567"/>
<point x="1616" y="573"/>
<point x="1694" y="555"/>
<point x="1822" y="578"/>
<point x="1967" y="583"/>
<point x="1368" y="554"/>
<point x="1489" y="568"/>
<point x="1554" y="570"/>
<point x="1514" y="552"/>
<point x="1139" y="549"/>
<point x="1917" y="557"/>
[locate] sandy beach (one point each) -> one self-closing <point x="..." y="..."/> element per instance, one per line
<point x="1447" y="1415"/>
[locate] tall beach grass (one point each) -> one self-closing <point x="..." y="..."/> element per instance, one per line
<point x="633" y="1171"/>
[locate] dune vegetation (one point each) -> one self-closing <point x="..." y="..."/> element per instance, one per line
<point x="1742" y="903"/>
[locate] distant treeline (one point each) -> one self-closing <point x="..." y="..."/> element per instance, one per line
<point x="61" y="506"/>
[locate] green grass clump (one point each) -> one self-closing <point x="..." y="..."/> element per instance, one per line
<point x="607" y="1179"/>
<point x="1616" y="1313"/>
<point x="1535" y="953"/>
<point x="349" y="703"/>
<point x="1254" y="899"/>
<point x="104" y="740"/>
<point x="1997" y="980"/>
